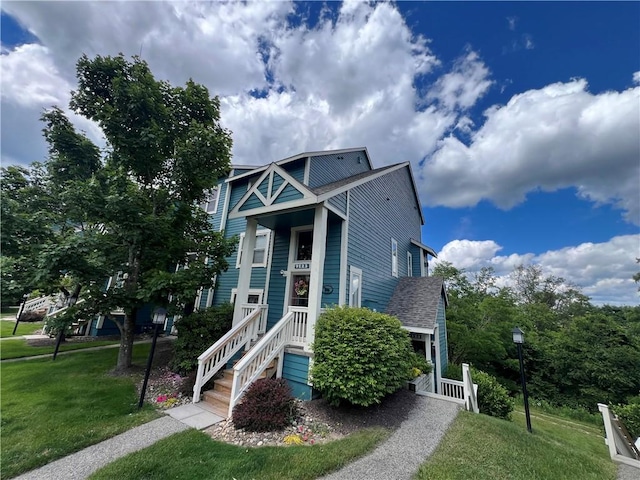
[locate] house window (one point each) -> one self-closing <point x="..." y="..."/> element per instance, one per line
<point x="304" y="246"/>
<point x="260" y="252"/>
<point x="255" y="296"/>
<point x="409" y="264"/>
<point x="211" y="203"/>
<point x="355" y="287"/>
<point x="394" y="257"/>
<point x="425" y="264"/>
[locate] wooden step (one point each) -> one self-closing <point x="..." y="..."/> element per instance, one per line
<point x="218" y="401"/>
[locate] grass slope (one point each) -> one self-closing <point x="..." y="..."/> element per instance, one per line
<point x="24" y="328"/>
<point x="482" y="447"/>
<point x="19" y="348"/>
<point x="193" y="455"/>
<point x="51" y="409"/>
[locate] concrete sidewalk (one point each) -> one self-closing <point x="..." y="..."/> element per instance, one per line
<point x="82" y="464"/>
<point x="402" y="454"/>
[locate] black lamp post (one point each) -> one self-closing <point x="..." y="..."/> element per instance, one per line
<point x="71" y="301"/>
<point x="20" y="310"/>
<point x="518" y="339"/>
<point x="159" y="316"/>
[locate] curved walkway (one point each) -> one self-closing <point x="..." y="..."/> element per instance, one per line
<point x="399" y="457"/>
<point x="408" y="447"/>
<point x="82" y="464"/>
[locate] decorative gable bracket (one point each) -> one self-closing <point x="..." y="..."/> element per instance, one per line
<point x="274" y="190"/>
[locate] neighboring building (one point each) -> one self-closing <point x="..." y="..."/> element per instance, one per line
<point x="315" y="230"/>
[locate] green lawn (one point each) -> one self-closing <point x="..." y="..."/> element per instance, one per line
<point x="482" y="447"/>
<point x="19" y="348"/>
<point x="24" y="328"/>
<point x="51" y="409"/>
<point x="194" y="455"/>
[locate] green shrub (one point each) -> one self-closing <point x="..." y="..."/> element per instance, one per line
<point x="360" y="356"/>
<point x="419" y="362"/>
<point x="267" y="406"/>
<point x="493" y="398"/>
<point x="630" y="416"/>
<point x="197" y="332"/>
<point x="453" y="372"/>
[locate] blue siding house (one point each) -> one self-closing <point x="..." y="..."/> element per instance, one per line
<point x="315" y="230"/>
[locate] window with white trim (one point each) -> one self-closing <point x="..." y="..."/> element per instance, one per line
<point x="255" y="295"/>
<point x="409" y="264"/>
<point x="260" y="252"/>
<point x="394" y="258"/>
<point x="211" y="203"/>
<point x="355" y="287"/>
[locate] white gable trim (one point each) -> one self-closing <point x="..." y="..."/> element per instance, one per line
<point x="308" y="198"/>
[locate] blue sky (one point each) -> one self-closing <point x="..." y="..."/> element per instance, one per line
<point x="521" y="119"/>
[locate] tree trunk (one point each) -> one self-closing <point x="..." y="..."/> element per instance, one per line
<point x="125" y="353"/>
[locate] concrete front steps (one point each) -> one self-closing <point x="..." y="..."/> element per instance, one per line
<point x="219" y="397"/>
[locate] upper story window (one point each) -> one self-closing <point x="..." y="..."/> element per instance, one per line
<point x="409" y="264"/>
<point x="211" y="203"/>
<point x="304" y="246"/>
<point x="394" y="257"/>
<point x="260" y="252"/>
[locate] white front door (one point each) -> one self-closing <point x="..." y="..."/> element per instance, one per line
<point x="299" y="267"/>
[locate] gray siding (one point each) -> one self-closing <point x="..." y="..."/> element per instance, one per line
<point x="331" y="168"/>
<point x="339" y="202"/>
<point x="296" y="169"/>
<point x="380" y="210"/>
<point x="332" y="265"/>
<point x="442" y="332"/>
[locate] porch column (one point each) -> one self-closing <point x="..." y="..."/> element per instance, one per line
<point x="244" y="278"/>
<point x="317" y="271"/>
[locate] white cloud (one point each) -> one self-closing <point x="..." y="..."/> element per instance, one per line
<point x="464" y="85"/>
<point x="511" y="21"/>
<point x="636" y="78"/>
<point x="555" y="137"/>
<point x="32" y="83"/>
<point x="603" y="271"/>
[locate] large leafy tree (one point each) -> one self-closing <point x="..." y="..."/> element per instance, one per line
<point x="131" y="209"/>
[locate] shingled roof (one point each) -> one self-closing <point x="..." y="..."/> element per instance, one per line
<point x="415" y="301"/>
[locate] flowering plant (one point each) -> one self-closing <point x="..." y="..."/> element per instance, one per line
<point x="301" y="287"/>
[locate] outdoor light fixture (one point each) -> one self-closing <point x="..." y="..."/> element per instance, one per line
<point x="159" y="316"/>
<point x="518" y="339"/>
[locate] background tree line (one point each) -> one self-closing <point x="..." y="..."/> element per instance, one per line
<point x="576" y="354"/>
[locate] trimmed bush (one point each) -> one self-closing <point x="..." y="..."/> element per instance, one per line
<point x="32" y="316"/>
<point x="630" y="416"/>
<point x="493" y="398"/>
<point x="266" y="406"/>
<point x="360" y="356"/>
<point x="197" y="332"/>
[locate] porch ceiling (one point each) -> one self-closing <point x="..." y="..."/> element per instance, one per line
<point x="291" y="218"/>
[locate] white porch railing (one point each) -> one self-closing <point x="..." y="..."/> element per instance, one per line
<point x="39" y="303"/>
<point x="451" y="388"/>
<point x="621" y="446"/>
<point x="272" y="345"/>
<point x="470" y="390"/>
<point x="300" y="325"/>
<point x="218" y="354"/>
<point x="464" y="392"/>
